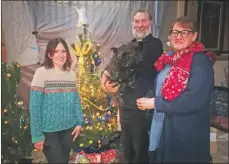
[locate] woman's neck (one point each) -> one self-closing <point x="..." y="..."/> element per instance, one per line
<point x="58" y="68"/>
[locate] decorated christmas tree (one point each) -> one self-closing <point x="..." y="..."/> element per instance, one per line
<point x="100" y="118"/>
<point x="16" y="139"/>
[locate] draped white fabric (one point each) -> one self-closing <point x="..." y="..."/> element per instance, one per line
<point x="17" y="29"/>
<point x="167" y="14"/>
<point x="109" y="24"/>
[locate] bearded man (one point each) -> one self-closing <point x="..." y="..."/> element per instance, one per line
<point x="134" y="123"/>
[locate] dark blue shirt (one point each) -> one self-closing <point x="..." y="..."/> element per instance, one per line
<point x="152" y="49"/>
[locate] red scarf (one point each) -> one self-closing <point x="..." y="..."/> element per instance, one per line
<point x="177" y="78"/>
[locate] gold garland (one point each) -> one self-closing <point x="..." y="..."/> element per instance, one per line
<point x="83" y="52"/>
<point x="97" y="107"/>
<point x="87" y="46"/>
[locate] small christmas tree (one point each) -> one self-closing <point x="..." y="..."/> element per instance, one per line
<point x="100" y="119"/>
<point x="16" y="139"/>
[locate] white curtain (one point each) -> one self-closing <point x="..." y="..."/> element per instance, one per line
<point x="164" y="14"/>
<point x="109" y="22"/>
<point x="17" y="29"/>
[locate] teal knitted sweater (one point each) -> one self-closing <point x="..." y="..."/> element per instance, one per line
<point x="54" y="102"/>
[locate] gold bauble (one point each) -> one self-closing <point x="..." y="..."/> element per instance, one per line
<point x="8" y="75"/>
<point x="6" y="122"/>
<point x="20" y="103"/>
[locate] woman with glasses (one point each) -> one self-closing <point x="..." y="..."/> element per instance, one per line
<point x="180" y="129"/>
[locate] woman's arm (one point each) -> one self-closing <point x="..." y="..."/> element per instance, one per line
<point x="35" y="106"/>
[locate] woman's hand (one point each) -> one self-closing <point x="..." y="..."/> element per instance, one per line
<point x="145" y="103"/>
<point x="39" y="145"/>
<point x="76" y="132"/>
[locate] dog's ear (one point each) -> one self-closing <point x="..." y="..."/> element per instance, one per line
<point x="137" y="44"/>
<point x="115" y="50"/>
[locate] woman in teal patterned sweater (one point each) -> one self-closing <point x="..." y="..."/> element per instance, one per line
<point x="55" y="108"/>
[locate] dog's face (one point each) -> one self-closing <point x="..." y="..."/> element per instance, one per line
<point x="128" y="54"/>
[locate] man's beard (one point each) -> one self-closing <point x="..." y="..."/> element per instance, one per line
<point x="141" y="35"/>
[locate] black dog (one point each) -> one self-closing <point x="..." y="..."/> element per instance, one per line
<point x="121" y="68"/>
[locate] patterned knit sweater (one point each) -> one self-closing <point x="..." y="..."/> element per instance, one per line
<point x="54" y="102"/>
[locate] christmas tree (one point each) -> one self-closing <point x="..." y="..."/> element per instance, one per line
<point x="16" y="139"/>
<point x="100" y="118"/>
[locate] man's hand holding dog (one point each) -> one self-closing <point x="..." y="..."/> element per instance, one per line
<point x="109" y="86"/>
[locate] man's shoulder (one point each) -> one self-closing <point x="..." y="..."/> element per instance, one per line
<point x="153" y="42"/>
<point x="154" y="39"/>
<point x="149" y="39"/>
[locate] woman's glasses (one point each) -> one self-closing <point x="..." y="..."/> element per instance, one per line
<point x="184" y="33"/>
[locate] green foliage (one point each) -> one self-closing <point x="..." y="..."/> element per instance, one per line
<point x="16" y="140"/>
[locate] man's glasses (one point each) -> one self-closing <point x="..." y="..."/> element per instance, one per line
<point x="184" y="33"/>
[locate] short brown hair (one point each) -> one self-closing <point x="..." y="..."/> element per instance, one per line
<point x="50" y="49"/>
<point x="144" y="11"/>
<point x="186" y="22"/>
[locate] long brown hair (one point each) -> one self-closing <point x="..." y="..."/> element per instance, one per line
<point x="50" y="49"/>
